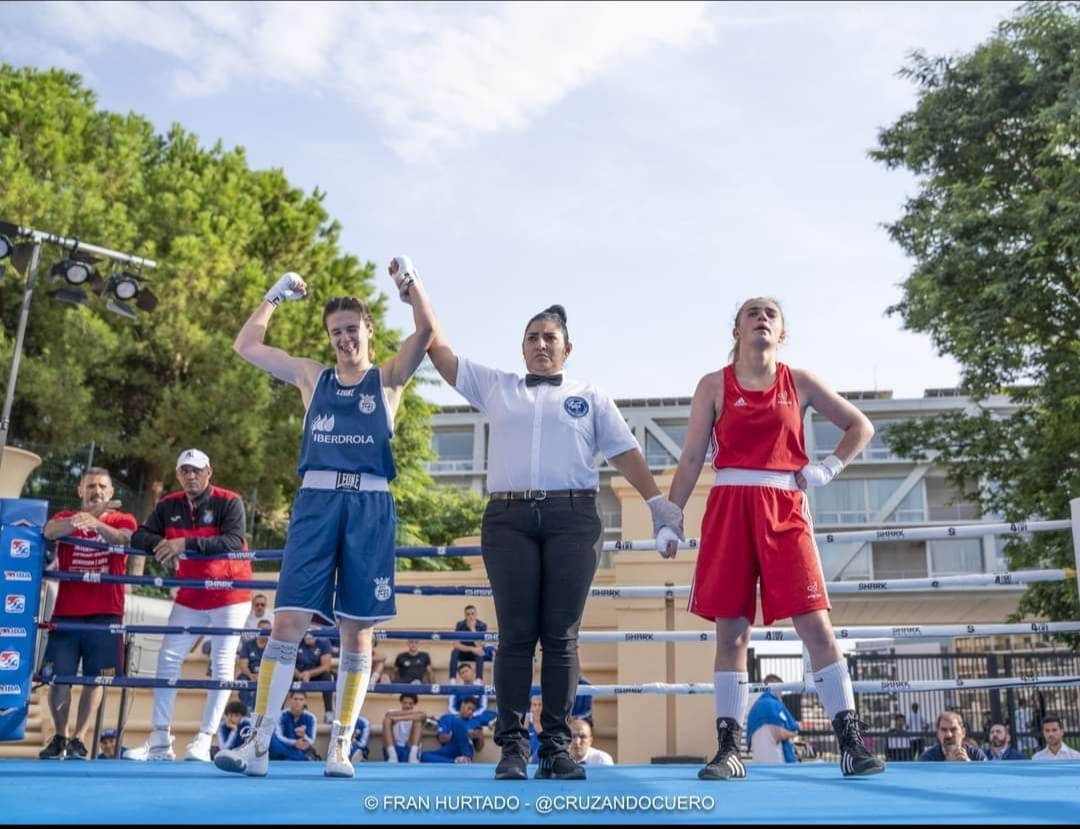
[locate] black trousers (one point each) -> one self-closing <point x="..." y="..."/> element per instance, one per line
<point x="541" y="557"/>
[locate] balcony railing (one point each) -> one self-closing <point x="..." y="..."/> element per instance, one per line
<point x="452" y="466"/>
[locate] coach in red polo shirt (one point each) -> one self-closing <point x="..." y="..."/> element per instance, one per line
<point x="100" y="652"/>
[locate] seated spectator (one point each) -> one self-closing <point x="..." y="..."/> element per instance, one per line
<point x="251" y="653"/>
<point x="403" y="729"/>
<point x="234" y="729"/>
<point x="950" y="744"/>
<point x="469" y="651"/>
<point x="358" y="751"/>
<point x="107" y="744"/>
<point x="294" y="737"/>
<point x="413" y="665"/>
<point x="535" y="725"/>
<point x="581" y="747"/>
<point x="466" y="677"/>
<point x="770" y="728"/>
<point x="314" y="663"/>
<point x="459" y="734"/>
<point x="582" y="709"/>
<point x="1054" y="735"/>
<point x="898" y="742"/>
<point x="998" y="747"/>
<point x="259" y="612"/>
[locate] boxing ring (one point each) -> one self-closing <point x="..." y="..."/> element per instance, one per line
<point x="34" y="791"/>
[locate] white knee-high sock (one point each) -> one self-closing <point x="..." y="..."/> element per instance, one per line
<point x="354" y="676"/>
<point x="275" y="677"/>
<point x="731" y="692"/>
<point x="833" y="684"/>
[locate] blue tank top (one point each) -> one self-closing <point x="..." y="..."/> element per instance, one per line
<point x="348" y="428"/>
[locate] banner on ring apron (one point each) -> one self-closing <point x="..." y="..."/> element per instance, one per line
<point x="22" y="550"/>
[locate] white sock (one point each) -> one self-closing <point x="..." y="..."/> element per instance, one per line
<point x="731" y="694"/>
<point x="833" y="684"/>
<point x="391" y="755"/>
<point x="414" y="754"/>
<point x="354" y="674"/>
<point x="275" y="678"/>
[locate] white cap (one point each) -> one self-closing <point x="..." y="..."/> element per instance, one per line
<point x="193" y="457"/>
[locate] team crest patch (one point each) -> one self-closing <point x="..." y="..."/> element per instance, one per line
<point x="382" y="590"/>
<point x="367" y="403"/>
<point x="208" y="517"/>
<point x="576" y="406"/>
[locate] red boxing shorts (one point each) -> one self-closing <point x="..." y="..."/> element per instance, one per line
<point x="753" y="531"/>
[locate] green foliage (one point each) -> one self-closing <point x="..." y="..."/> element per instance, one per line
<point x="221" y="233"/>
<point x="994" y="234"/>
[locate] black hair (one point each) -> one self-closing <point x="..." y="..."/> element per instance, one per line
<point x="553" y="313"/>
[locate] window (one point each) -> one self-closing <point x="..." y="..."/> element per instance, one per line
<point x="953" y="557"/>
<point x="858" y="501"/>
<point x="454" y="449"/>
<point x="876" y="449"/>
<point x="657" y="455"/>
<point x="674" y="429"/>
<point x="899" y="560"/>
<point x="826" y="436"/>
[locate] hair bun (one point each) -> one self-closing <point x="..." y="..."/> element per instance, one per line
<point x="558" y="311"/>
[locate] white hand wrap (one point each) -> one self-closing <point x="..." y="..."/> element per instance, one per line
<point x="290" y="286"/>
<point x="819" y="474"/>
<point x="666" y="535"/>
<point x="404" y="274"/>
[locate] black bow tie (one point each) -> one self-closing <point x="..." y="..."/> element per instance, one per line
<point x="536" y="379"/>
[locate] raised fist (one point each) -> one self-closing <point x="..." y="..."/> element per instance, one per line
<point x="404" y="274"/>
<point x="290" y="286"/>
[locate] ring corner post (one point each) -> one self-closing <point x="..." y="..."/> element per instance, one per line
<point x="22" y="555"/>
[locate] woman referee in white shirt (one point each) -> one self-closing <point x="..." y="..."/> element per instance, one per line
<point x="541" y="531"/>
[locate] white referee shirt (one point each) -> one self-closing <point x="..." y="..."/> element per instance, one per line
<point x="544" y="437"/>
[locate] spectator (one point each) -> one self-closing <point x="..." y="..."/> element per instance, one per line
<point x="950" y="744"/>
<point x="469" y="651"/>
<point x="235" y="726"/>
<point x="916" y="724"/>
<point x="251" y="654"/>
<point x="459" y="734"/>
<point x="898" y="742"/>
<point x="771" y="728"/>
<point x="184" y="531"/>
<point x="294" y="737"/>
<point x="107" y="742"/>
<point x="100" y="652"/>
<point x="259" y="612"/>
<point x="1054" y="735"/>
<point x="403" y="729"/>
<point x="360" y="737"/>
<point x="314" y="663"/>
<point x="998" y="747"/>
<point x="535" y="724"/>
<point x="480" y="708"/>
<point x="413" y="665"/>
<point x="1023" y="726"/>
<point x="581" y="747"/>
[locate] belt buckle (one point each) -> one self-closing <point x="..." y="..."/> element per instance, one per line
<point x="348" y="481"/>
<point x="538" y="494"/>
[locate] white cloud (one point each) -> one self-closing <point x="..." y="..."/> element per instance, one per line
<point x="433" y="75"/>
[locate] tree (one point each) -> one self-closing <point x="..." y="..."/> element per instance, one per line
<point x="221" y="232"/>
<point x="994" y="233"/>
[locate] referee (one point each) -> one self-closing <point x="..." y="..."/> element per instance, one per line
<point x="541" y="531"/>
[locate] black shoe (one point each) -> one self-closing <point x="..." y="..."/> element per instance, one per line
<point x="855" y="759"/>
<point x="512" y="766"/>
<point x="726" y="765"/>
<point x="55" y="750"/>
<point x="559" y="767"/>
<point x="75" y="749"/>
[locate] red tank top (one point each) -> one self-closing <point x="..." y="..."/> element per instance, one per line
<point x="760" y="429"/>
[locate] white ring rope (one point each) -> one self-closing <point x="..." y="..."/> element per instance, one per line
<point x="885" y="534"/>
<point x="884" y="686"/>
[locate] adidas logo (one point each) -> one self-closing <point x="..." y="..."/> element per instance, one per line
<point x="741" y="401"/>
<point x="322" y="423"/>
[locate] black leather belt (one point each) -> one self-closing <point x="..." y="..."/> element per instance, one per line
<point x="542" y="494"/>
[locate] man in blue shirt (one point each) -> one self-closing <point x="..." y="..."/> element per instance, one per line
<point x="770" y="728"/>
<point x="999" y="746"/>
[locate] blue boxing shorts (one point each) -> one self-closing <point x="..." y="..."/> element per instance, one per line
<point x="339" y="556"/>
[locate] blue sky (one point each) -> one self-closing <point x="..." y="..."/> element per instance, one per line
<point x="646" y="165"/>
